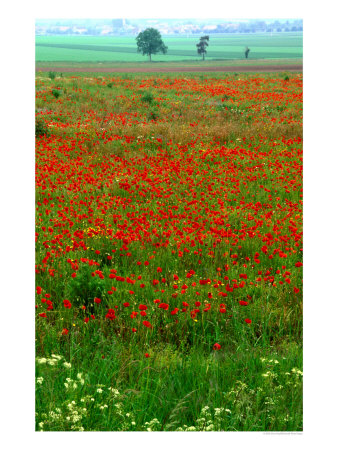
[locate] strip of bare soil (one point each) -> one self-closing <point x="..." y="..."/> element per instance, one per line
<point x="258" y="68"/>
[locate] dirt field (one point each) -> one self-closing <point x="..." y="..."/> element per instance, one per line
<point x="256" y="68"/>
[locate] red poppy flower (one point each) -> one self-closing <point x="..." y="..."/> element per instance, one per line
<point x="164" y="306"/>
<point x="67" y="304"/>
<point x="243" y="303"/>
<point x="147" y="355"/>
<point x="147" y="324"/>
<point x="97" y="300"/>
<point x="248" y="321"/>
<point x="217" y="346"/>
<point x="110" y="314"/>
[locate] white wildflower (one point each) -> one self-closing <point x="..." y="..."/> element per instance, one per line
<point x="42" y="360"/>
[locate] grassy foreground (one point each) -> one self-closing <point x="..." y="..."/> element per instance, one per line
<point x="169" y="252"/>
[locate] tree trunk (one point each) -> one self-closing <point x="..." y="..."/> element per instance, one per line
<point x="203" y="56"/>
<point x="150" y="57"/>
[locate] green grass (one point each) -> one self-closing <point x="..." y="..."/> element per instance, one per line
<point x="231" y="46"/>
<point x="257" y="389"/>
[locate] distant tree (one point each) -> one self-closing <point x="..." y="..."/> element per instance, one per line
<point x="149" y="42"/>
<point x="202" y="46"/>
<point x="247" y="52"/>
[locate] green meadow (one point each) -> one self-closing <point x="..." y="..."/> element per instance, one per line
<point x="118" y="48"/>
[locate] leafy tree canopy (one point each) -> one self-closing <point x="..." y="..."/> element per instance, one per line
<point x="149" y="42"/>
<point x="202" y="46"/>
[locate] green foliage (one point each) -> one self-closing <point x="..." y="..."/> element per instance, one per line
<point x="110" y="84"/>
<point x="202" y="46"/>
<point x="153" y="114"/>
<point x="56" y="93"/>
<point x="149" y="42"/>
<point x="147" y="97"/>
<point x="41" y="129"/>
<point x="52" y="75"/>
<point x="85" y="287"/>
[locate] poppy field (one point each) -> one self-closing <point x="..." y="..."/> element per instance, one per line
<point x="168" y="252"/>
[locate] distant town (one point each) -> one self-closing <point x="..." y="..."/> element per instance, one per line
<point x="127" y="27"/>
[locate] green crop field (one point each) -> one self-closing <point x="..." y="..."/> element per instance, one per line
<point x="230" y="46"/>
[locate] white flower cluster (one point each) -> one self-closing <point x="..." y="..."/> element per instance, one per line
<point x="209" y="420"/>
<point x="295" y="377"/>
<point x="153" y="425"/>
<point x="114" y="393"/>
<point x="54" y="360"/>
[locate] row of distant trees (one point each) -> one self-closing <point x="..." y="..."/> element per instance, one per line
<point x="149" y="42"/>
<point x="127" y="27"/>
